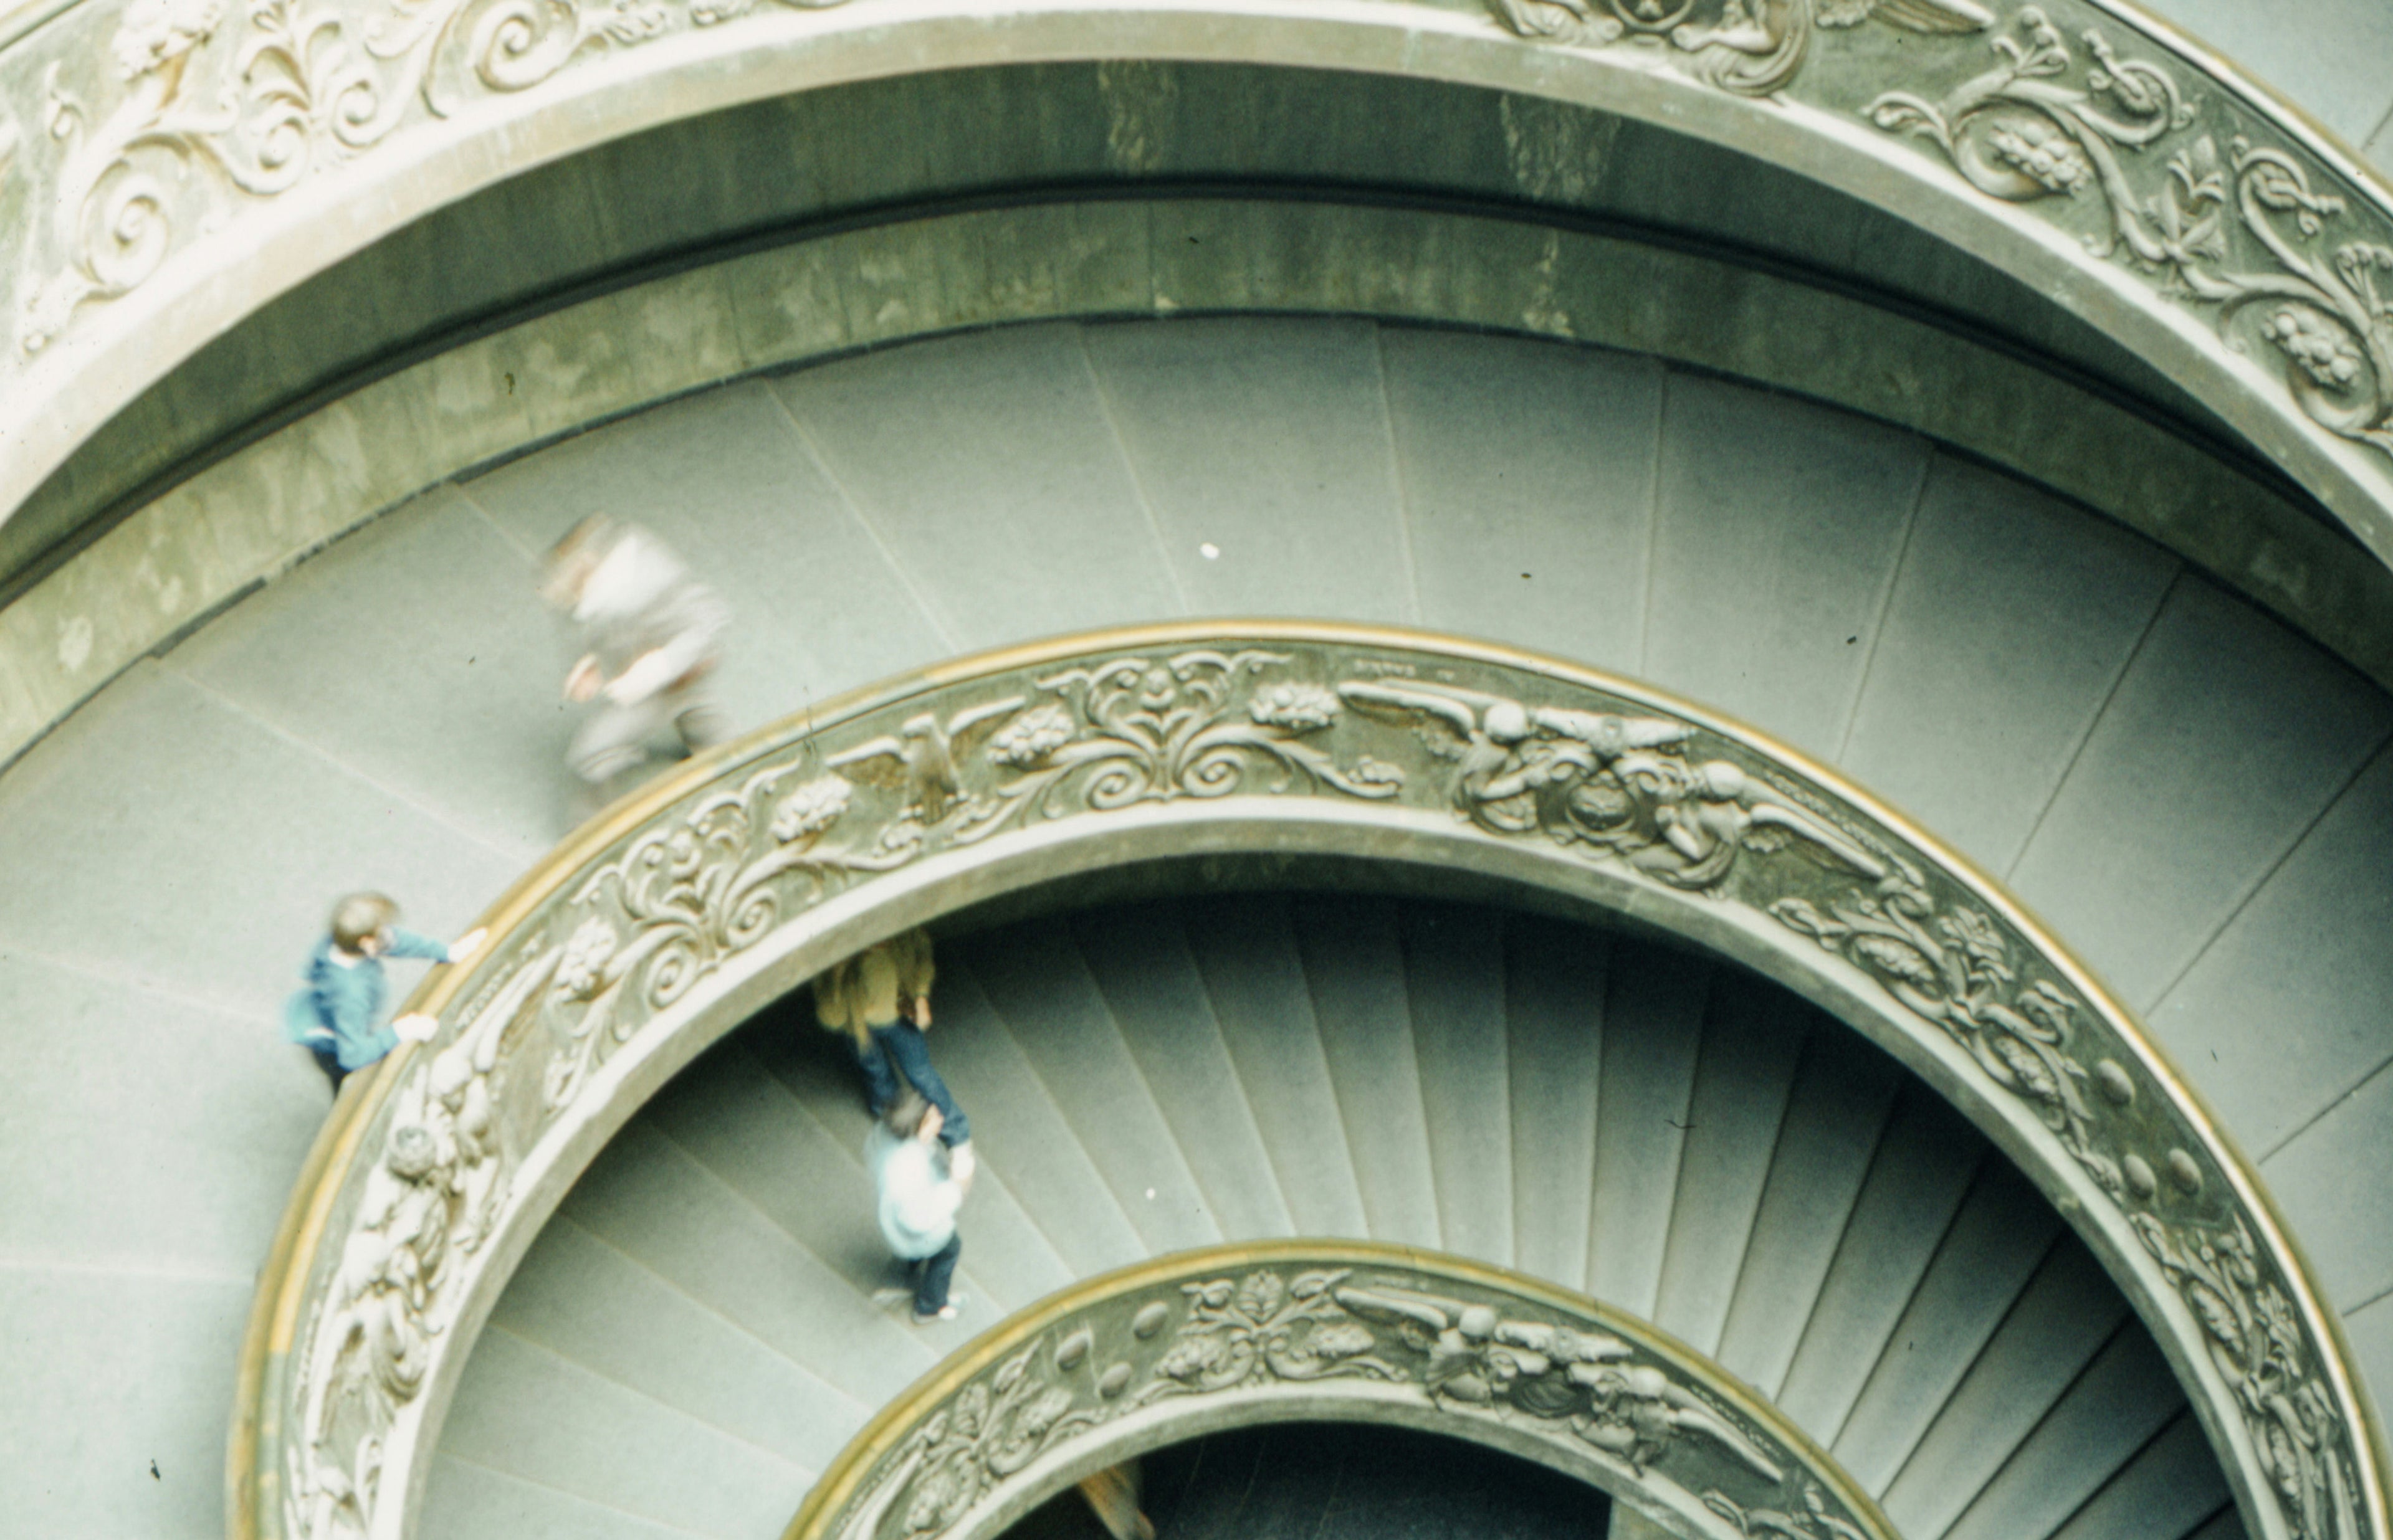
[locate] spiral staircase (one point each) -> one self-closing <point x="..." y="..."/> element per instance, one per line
<point x="1832" y="470"/>
<point x="2187" y="788"/>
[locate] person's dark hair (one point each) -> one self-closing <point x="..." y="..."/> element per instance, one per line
<point x="360" y="916"/>
<point x="904" y="1115"/>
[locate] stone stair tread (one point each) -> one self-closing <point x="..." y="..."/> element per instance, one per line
<point x="1996" y="573"/>
<point x="467" y="1500"/>
<point x="527" y="1412"/>
<point x="1836" y="1115"/>
<point x="1753" y="1040"/>
<point x="1917" y="1178"/>
<point x="1353" y="969"/>
<point x="1255" y="981"/>
<point x="1651" y="1032"/>
<point x="2002" y="1234"/>
<point x="1053" y="1011"/>
<point x="1273" y="449"/>
<point x="1555" y="981"/>
<point x="993" y="395"/>
<point x="729" y="482"/>
<point x="448" y="593"/>
<point x="657" y="1203"/>
<point x="1453" y="970"/>
<point x="1140" y="958"/>
<point x="2125" y="1397"/>
<point x="2063" y="1319"/>
<point x="1491" y="438"/>
<point x="1754" y="503"/>
<point x="2171" y="1488"/>
<point x="2184" y="797"/>
<point x="582" y="1299"/>
<point x="2226" y="1526"/>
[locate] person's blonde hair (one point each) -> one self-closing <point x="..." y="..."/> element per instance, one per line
<point x="576" y="552"/>
<point x="360" y="916"/>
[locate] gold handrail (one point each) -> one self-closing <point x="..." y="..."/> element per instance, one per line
<point x="668" y="920"/>
<point x="1320" y="1330"/>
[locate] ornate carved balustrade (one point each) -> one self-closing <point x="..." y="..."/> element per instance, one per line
<point x="167" y="166"/>
<point x="1235" y="1335"/>
<point x="660" y="927"/>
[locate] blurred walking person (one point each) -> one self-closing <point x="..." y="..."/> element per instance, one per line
<point x="651" y="634"/>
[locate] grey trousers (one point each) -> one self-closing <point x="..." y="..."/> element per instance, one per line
<point x="615" y="739"/>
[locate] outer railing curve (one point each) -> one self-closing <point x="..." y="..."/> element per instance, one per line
<point x="662" y="925"/>
<point x="169" y="166"/>
<point x="1240" y="1335"/>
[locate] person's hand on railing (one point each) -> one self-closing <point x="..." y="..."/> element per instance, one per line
<point x="416" y="1027"/>
<point x="467" y="945"/>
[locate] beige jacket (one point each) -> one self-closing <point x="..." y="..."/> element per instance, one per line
<point x="876" y="985"/>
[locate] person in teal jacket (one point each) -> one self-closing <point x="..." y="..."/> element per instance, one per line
<point x="335" y="1016"/>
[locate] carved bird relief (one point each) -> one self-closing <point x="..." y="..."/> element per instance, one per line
<point x="1506" y="752"/>
<point x="1624" y="783"/>
<point x="919" y="759"/>
<point x="1750" y="46"/>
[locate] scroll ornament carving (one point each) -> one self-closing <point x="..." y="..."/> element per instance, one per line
<point x="2108" y="147"/>
<point x="1517" y="757"/>
<point x="2250" y="235"/>
<point x="214" y="104"/>
<point x="1429" y="1341"/>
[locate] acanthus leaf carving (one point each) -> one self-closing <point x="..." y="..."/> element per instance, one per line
<point x="2039" y="127"/>
<point x="217" y="106"/>
<point x="2256" y="1338"/>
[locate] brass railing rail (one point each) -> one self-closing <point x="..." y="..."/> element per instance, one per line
<point x="1279" y="1331"/>
<point x="661" y="926"/>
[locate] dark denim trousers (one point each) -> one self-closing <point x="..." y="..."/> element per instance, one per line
<point x="932" y="1274"/>
<point x="330" y="1063"/>
<point x="899" y="1049"/>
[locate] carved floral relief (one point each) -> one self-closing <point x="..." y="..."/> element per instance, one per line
<point x="1466" y="1350"/>
<point x="1507" y="754"/>
<point x="195" y="111"/>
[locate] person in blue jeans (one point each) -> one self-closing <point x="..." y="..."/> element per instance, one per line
<point x="880" y="1001"/>
<point x="333" y="1017"/>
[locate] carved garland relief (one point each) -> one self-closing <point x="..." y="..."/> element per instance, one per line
<point x="197" y="109"/>
<point x="1514" y="754"/>
<point x="1219" y="1328"/>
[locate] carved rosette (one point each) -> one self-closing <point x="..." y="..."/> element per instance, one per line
<point x="1242" y="1335"/>
<point x="1401" y="734"/>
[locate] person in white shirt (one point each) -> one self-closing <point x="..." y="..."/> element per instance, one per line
<point x="919" y="1185"/>
<point x="653" y="633"/>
